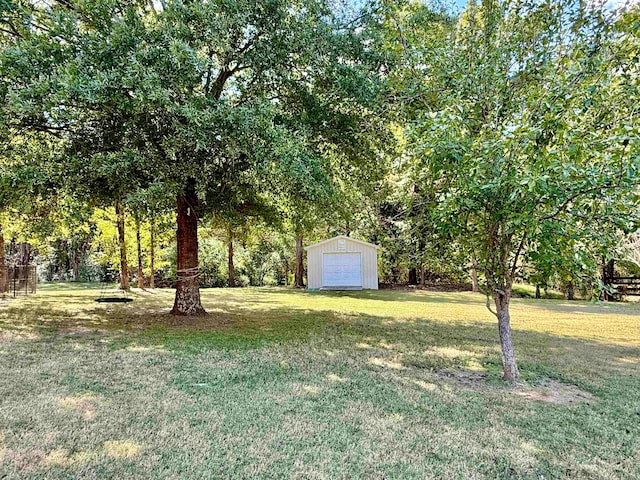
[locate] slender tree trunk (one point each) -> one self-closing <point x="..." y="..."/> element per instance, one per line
<point x="76" y="269"/>
<point x="187" y="299"/>
<point x="3" y="267"/>
<point x="510" y="368"/>
<point x="422" y="275"/>
<point x="537" y="291"/>
<point x="570" y="290"/>
<point x="299" y="275"/>
<point x="152" y="255"/>
<point x="75" y="260"/>
<point x="605" y="280"/>
<point x="124" y="269"/>
<point x="475" y="286"/>
<point x="139" y="245"/>
<point x="232" y="270"/>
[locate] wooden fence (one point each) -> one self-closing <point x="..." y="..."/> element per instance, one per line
<point x="626" y="285"/>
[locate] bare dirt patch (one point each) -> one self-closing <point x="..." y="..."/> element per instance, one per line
<point x="555" y="392"/>
<point x="80" y="331"/>
<point x="550" y="391"/>
<point x="464" y="378"/>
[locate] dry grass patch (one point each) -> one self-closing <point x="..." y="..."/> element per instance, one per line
<point x="12" y="335"/>
<point x="127" y="449"/>
<point x="392" y="363"/>
<point x="84" y="405"/>
<point x="332" y="377"/>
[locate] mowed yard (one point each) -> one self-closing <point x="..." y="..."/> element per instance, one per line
<point x="277" y="383"/>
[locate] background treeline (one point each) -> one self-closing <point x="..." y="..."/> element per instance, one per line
<point x="85" y="248"/>
<point x="81" y="244"/>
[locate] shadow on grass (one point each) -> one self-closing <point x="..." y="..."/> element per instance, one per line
<point x="433" y="345"/>
<point x="464" y="298"/>
<point x="231" y="300"/>
<point x="384" y="295"/>
<point x="412" y="343"/>
<point x="420" y="296"/>
<point x="67" y="286"/>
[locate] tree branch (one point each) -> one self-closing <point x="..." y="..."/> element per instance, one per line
<point x="515" y="258"/>
<point x="572" y="197"/>
<point x="488" y="300"/>
<point x="13" y="33"/>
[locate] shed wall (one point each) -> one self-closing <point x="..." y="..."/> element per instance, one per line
<point x="369" y="263"/>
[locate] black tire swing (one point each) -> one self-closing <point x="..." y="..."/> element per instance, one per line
<point x="108" y="295"/>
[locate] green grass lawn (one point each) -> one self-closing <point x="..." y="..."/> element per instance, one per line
<point x="278" y="383"/>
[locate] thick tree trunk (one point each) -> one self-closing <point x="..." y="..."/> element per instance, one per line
<point x="608" y="272"/>
<point x="231" y="268"/>
<point x="475" y="286"/>
<point x="299" y="274"/>
<point x="510" y="368"/>
<point x="124" y="269"/>
<point x="139" y="245"/>
<point x="24" y="253"/>
<point x="413" y="276"/>
<point x="152" y="255"/>
<point x="3" y="267"/>
<point x="187" y="300"/>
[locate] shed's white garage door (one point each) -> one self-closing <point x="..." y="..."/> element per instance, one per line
<point x="341" y="270"/>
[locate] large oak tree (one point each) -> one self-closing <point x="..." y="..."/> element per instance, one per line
<point x="193" y="95"/>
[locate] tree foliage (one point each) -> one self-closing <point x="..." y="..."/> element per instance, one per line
<point x="526" y="138"/>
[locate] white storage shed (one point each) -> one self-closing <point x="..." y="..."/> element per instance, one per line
<point x="342" y="263"/>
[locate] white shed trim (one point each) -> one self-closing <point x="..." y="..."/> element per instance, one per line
<point x="362" y="242"/>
